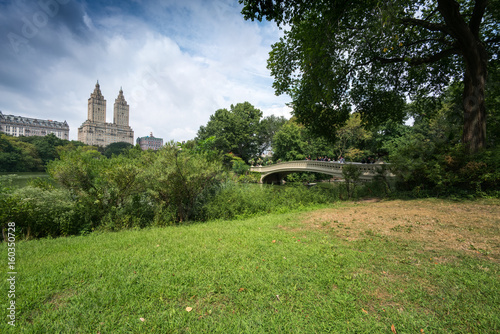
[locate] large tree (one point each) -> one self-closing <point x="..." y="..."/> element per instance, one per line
<point x="236" y="130"/>
<point x="375" y="53"/>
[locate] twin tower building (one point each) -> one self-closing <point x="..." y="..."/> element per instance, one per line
<point x="95" y="131"/>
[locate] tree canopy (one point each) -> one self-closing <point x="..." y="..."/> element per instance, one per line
<point x="241" y="130"/>
<point x="375" y="54"/>
<point x="31" y="154"/>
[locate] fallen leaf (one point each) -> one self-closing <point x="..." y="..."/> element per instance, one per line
<point x="421" y="330"/>
<point x="364" y="311"/>
<point x="189" y="309"/>
<point x="274" y="241"/>
<point x="241" y="289"/>
<point x="393" y="329"/>
<point x="142" y="319"/>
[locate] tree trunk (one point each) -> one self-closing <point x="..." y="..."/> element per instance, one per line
<point x="474" y="131"/>
<point x="475" y="58"/>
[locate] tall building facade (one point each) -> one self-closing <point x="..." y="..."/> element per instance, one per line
<point x="95" y="131"/>
<point x="150" y="142"/>
<point x="25" y="126"/>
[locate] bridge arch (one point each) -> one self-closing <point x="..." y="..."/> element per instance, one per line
<point x="275" y="173"/>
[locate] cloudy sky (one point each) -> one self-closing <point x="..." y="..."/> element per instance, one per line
<point x="177" y="61"/>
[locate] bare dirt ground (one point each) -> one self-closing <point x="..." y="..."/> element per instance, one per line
<point x="472" y="226"/>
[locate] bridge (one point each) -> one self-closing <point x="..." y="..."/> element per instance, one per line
<point x="275" y="173"/>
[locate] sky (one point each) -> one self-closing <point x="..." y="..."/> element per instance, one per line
<point x="176" y="61"/>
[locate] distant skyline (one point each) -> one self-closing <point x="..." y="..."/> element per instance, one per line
<point x="176" y="61"/>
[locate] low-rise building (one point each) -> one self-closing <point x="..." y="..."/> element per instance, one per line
<point x="26" y="126"/>
<point x="150" y="142"/>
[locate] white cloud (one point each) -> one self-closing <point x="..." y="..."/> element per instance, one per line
<point x="177" y="65"/>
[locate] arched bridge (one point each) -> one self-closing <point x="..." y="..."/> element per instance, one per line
<point x="275" y="173"/>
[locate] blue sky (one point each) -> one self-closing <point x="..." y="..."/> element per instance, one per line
<point x="177" y="61"/>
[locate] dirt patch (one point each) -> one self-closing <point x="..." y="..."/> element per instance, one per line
<point x="469" y="226"/>
<point x="60" y="299"/>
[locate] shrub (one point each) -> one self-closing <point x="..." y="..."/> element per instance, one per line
<point x="41" y="212"/>
<point x="245" y="200"/>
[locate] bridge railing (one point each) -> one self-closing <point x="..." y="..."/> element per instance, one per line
<point x="304" y="164"/>
<point x="368" y="171"/>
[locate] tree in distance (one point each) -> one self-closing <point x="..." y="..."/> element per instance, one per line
<point x="117" y="148"/>
<point x="241" y="130"/>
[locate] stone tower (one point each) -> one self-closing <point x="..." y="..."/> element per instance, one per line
<point x="121" y="110"/>
<point x="97" y="106"/>
<point x="95" y="130"/>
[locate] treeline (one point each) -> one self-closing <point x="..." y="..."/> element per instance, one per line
<point x="31" y="154"/>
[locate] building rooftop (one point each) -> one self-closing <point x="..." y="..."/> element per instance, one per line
<point x="33" y="121"/>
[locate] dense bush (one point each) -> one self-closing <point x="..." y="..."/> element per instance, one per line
<point x="449" y="172"/>
<point x="133" y="189"/>
<point x="244" y="200"/>
<point x="41" y="212"/>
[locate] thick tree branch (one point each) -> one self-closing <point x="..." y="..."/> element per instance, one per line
<point x="477" y="17"/>
<point x="418" y="61"/>
<point x="450" y="10"/>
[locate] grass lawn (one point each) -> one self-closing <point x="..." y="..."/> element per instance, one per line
<point x="426" y="266"/>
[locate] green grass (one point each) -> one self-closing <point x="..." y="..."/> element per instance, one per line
<point x="259" y="275"/>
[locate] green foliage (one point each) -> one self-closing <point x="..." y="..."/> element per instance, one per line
<point x="269" y="127"/>
<point x="430" y="158"/>
<point x="235" y="130"/>
<point x="372" y="54"/>
<point x="176" y="179"/>
<point x="134" y="189"/>
<point x="208" y="148"/>
<point x="39" y="212"/>
<point x="46" y="146"/>
<point x="240" y="167"/>
<point x="492" y="101"/>
<point x="429" y="167"/>
<point x="245" y="200"/>
<point x="288" y="143"/>
<point x="18" y="156"/>
<point x="240" y="130"/>
<point x="30" y="154"/>
<point x="295" y="142"/>
<point x="117" y="149"/>
<point x="352" y="138"/>
<point x="351" y="178"/>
